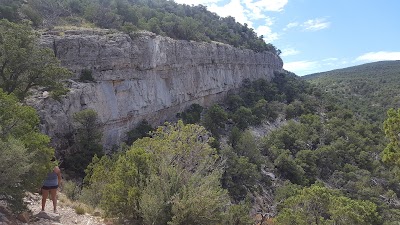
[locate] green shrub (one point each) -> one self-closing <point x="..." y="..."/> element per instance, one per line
<point x="215" y="119"/>
<point x="25" y="152"/>
<point x="243" y="117"/>
<point x="129" y="28"/>
<point x="294" y="109"/>
<point x="171" y="178"/>
<point x="239" y="215"/>
<point x="32" y="15"/>
<point x="234" y="136"/>
<point x="8" y="12"/>
<point x="90" y="196"/>
<point x="141" y="130"/>
<point x="288" y="169"/>
<point x="333" y="208"/>
<point x="59" y="91"/>
<point x="80" y="210"/>
<point x="56" y="94"/>
<point x="86" y="75"/>
<point x="234" y="102"/>
<point x="240" y="175"/>
<point x="192" y="114"/>
<point x="87" y="142"/>
<point x="71" y="189"/>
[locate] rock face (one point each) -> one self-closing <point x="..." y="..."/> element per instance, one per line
<point x="143" y="77"/>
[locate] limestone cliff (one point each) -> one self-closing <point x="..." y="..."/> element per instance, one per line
<point x="143" y="77"/>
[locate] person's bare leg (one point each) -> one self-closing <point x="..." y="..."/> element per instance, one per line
<point x="53" y="193"/>
<point x="45" y="194"/>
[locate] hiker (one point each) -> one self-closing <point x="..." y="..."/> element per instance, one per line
<point x="51" y="184"/>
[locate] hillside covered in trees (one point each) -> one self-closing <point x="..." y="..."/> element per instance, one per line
<point x="159" y="16"/>
<point x="369" y="89"/>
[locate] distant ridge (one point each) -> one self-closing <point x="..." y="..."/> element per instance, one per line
<point x="367" y="67"/>
<point x="369" y="89"/>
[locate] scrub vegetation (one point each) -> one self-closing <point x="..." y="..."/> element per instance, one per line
<point x="329" y="156"/>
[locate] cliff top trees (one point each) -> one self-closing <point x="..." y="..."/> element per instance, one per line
<point x="24" y="64"/>
<point x="167" y="18"/>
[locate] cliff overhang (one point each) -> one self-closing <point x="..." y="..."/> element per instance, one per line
<point x="142" y="76"/>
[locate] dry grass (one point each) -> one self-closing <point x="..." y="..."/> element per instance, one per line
<point x="72" y="27"/>
<point x="80" y="208"/>
<point x="63" y="199"/>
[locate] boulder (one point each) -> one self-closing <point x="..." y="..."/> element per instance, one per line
<point x="24" y="217"/>
<point x="48" y="216"/>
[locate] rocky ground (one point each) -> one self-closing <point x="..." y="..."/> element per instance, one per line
<point x="66" y="214"/>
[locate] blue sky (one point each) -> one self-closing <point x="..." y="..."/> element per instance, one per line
<point x="320" y="35"/>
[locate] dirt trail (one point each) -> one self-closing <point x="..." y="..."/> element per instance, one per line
<point x="66" y="214"/>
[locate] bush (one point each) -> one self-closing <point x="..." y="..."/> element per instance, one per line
<point x="215" y="119"/>
<point x="86" y="75"/>
<point x="171" y="178"/>
<point x="294" y="109"/>
<point x="141" y="130"/>
<point x="319" y="205"/>
<point x="80" y="210"/>
<point x="243" y="117"/>
<point x="71" y="189"/>
<point x="58" y="90"/>
<point x="192" y="114"/>
<point x="32" y="15"/>
<point x="234" y="102"/>
<point x="87" y="142"/>
<point x="25" y="152"/>
<point x="56" y="94"/>
<point x="9" y="12"/>
<point x="92" y="191"/>
<point x="129" y="28"/>
<point x="239" y="215"/>
<point x="288" y="169"/>
<point x="234" y="136"/>
<point x="239" y="176"/>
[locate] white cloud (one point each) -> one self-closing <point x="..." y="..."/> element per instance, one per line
<point x="310" y="25"/>
<point x="253" y="5"/>
<point x="329" y="62"/>
<point x="266" y="5"/>
<point x="291" y="25"/>
<point x="379" y="56"/>
<point x="301" y="67"/>
<point x="234" y="8"/>
<point x="244" y="15"/>
<point x="316" y="24"/>
<point x="246" y="11"/>
<point x="330" y="59"/>
<point x="289" y="52"/>
<point x="269" y="36"/>
<point x="308" y="67"/>
<point x="255" y="10"/>
<point x="269" y="21"/>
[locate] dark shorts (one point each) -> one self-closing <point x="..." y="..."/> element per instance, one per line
<point x="49" y="187"/>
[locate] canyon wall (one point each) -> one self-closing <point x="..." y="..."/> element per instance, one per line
<point x="142" y="76"/>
